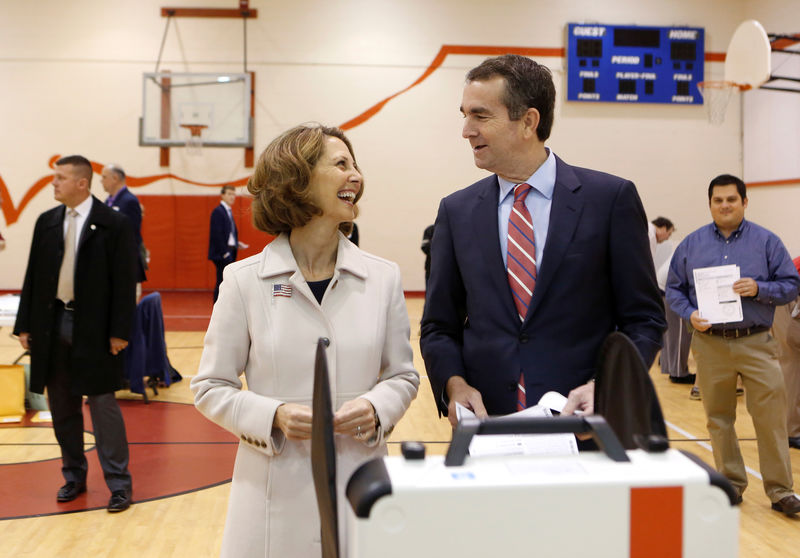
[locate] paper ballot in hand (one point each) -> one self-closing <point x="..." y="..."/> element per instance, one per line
<point x="716" y="301"/>
<point x="524" y="444"/>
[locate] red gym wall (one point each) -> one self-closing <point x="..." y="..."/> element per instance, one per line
<point x="175" y="230"/>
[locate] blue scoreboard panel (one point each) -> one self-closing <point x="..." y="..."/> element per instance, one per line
<point x="632" y="64"/>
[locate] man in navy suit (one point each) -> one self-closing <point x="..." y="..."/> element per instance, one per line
<point x="123" y="200"/>
<point x="223" y="236"/>
<point x="594" y="272"/>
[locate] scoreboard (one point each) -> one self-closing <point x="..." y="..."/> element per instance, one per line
<point x="633" y="64"/>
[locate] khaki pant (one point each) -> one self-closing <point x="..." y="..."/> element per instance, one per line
<point x="755" y="357"/>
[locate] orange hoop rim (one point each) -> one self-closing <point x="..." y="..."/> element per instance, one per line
<point x="722" y="84"/>
<point x="195" y="129"/>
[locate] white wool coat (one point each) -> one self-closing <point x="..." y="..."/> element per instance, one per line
<point x="272" y="340"/>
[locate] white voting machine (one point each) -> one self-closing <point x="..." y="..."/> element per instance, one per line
<point x="612" y="503"/>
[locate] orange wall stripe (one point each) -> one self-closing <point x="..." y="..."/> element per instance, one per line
<point x="657" y="522"/>
<point x="439" y="59"/>
<point x="781" y="182"/>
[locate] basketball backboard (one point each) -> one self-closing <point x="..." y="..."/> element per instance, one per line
<point x="174" y="104"/>
<point x="748" y="59"/>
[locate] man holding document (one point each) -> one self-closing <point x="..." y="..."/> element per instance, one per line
<point x="726" y="278"/>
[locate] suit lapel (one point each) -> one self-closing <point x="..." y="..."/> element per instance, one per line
<point x="97" y="218"/>
<point x="565" y="213"/>
<point x="484" y="218"/>
<point x="56" y="222"/>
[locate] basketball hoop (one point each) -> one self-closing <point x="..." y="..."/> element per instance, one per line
<point x="747" y="65"/>
<point x="716" y="96"/>
<point x="194" y="145"/>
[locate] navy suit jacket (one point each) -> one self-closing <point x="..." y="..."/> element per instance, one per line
<point x="128" y="204"/>
<point x="218" y="234"/>
<point x="596" y="277"/>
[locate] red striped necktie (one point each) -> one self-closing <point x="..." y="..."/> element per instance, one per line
<point x="521" y="264"/>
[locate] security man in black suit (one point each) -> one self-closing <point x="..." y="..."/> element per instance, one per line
<point x="75" y="314"/>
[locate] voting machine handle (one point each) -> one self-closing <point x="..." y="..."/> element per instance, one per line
<point x="595" y="425"/>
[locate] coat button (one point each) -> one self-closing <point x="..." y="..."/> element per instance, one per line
<point x="523" y="338"/>
<point x="512" y="386"/>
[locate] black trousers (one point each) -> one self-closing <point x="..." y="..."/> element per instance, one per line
<point x="109" y="427"/>
<point x="220" y="264"/>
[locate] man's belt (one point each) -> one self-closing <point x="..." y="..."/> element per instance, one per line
<point x="736" y="332"/>
<point x="68" y="306"/>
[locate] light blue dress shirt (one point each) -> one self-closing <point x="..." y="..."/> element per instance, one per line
<point x="538" y="202"/>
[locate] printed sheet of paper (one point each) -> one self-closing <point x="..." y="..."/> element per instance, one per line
<point x="716" y="300"/>
<point x="521" y="444"/>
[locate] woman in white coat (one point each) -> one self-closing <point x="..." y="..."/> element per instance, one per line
<point x="310" y="282"/>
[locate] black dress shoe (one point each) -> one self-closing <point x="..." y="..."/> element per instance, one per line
<point x="70" y="491"/>
<point x="789" y="505"/>
<point x="682" y="379"/>
<point x="120" y="501"/>
<point x="794" y="442"/>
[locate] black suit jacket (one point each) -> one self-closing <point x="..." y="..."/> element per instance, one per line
<point x="218" y="234"/>
<point x="596" y="277"/>
<point x="128" y="204"/>
<point x="105" y="297"/>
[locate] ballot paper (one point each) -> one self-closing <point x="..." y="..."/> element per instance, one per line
<point x="716" y="301"/>
<point x="524" y="444"/>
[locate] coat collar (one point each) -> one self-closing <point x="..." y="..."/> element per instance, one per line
<point x="277" y="259"/>
<point x="97" y="215"/>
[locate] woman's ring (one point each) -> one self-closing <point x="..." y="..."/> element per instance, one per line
<point x="358" y="430"/>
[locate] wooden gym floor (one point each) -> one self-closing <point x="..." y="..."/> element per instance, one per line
<point x="175" y="451"/>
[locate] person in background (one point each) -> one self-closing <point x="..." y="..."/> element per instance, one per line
<point x="353" y="236"/>
<point x="786" y="329"/>
<point x="674" y="359"/>
<point x="308" y="283"/>
<point x="223" y="236"/>
<point x="121" y="199"/>
<point x="75" y="314"/>
<point x="427" y="236"/>
<point x="725" y="351"/>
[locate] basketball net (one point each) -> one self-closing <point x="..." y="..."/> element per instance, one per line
<point x="194" y="145"/>
<point x="716" y="96"/>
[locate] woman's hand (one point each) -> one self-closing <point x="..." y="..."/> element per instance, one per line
<point x="294" y="421"/>
<point x="355" y="418"/>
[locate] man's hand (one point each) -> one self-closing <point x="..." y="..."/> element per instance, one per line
<point x="459" y="391"/>
<point x="25" y="341"/>
<point x="580" y="399"/>
<point x="294" y="421"/>
<point x="746" y="286"/>
<point x="355" y="418"/>
<point x="116" y="344"/>
<point x="699" y="323"/>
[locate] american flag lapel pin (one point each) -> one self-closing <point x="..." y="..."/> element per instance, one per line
<point x="280" y="289"/>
